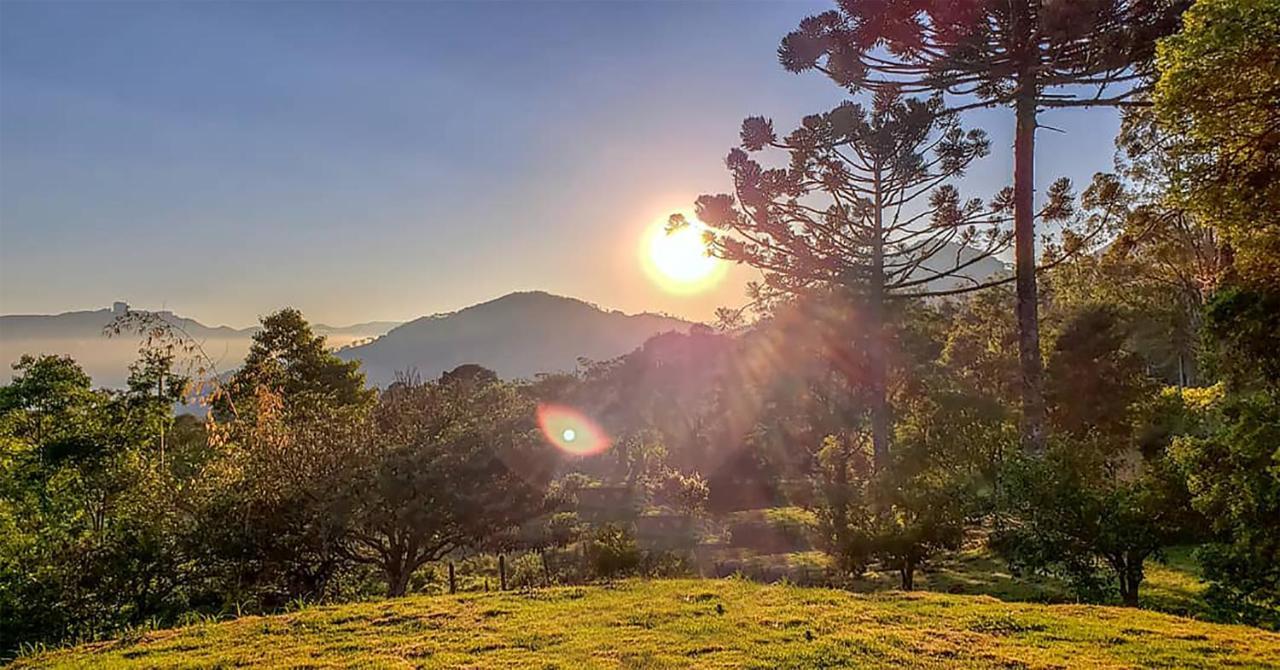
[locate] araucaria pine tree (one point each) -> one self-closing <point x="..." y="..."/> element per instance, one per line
<point x="1028" y="55"/>
<point x="864" y="203"/>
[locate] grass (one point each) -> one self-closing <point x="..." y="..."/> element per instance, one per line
<point x="690" y="623"/>
<point x="1172" y="584"/>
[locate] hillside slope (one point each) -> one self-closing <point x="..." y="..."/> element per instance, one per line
<point x="517" y="335"/>
<point x="687" y="623"/>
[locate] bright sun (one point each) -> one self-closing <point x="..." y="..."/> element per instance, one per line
<point x="678" y="261"/>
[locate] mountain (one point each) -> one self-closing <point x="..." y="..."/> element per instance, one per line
<point x="79" y="334"/>
<point x="517" y="336"/>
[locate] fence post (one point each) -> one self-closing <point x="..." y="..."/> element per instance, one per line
<point x="502" y="571"/>
<point x="453" y="580"/>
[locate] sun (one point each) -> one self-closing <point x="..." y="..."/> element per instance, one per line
<point x="678" y="261"/>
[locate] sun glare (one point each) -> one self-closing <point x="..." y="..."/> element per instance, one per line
<point x="678" y="261"/>
<point x="571" y="431"/>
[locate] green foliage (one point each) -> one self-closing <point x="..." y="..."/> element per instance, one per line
<point x="1232" y="468"/>
<point x="449" y="464"/>
<point x="89" y="530"/>
<point x="1082" y="516"/>
<point x="1219" y="92"/>
<point x="290" y="361"/>
<point x="1105" y="498"/>
<point x="1244" y="336"/>
<point x="1093" y="379"/>
<point x="612" y="552"/>
<point x="900" y="516"/>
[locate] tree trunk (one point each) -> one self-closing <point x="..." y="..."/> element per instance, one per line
<point x="1129" y="596"/>
<point x="876" y="351"/>
<point x="397" y="580"/>
<point x="1024" y="226"/>
<point x="908" y="573"/>
<point x="1130" y="577"/>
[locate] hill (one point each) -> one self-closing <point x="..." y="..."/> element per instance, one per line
<point x="517" y="335"/>
<point x="107" y="359"/>
<point x="683" y="623"/>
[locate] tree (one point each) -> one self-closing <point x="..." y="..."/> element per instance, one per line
<point x="1093" y="379"/>
<point x="1029" y="55"/>
<point x="1219" y="95"/>
<point x="864" y="204"/>
<point x="1244" y="334"/>
<point x="90" y="541"/>
<point x="1080" y="515"/>
<point x="47" y="395"/>
<point x="153" y="390"/>
<point x="288" y="359"/>
<point x="1162" y="262"/>
<point x="450" y="464"/>
<point x="1100" y="502"/>
<point x="1232" y="468"/>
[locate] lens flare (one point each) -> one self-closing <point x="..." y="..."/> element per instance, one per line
<point x="678" y="260"/>
<point x="570" y="431"/>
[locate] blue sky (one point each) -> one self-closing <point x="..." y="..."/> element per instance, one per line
<point x="367" y="161"/>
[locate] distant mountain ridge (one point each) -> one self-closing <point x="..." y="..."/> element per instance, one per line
<point x="79" y="334"/>
<point x="517" y="336"/>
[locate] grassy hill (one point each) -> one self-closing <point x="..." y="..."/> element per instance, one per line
<point x="690" y="623"/>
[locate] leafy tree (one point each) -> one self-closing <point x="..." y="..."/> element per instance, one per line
<point x="1219" y="95"/>
<point x="864" y="204"/>
<point x="289" y="360"/>
<point x="450" y="463"/>
<point x="1093" y="379"/>
<point x="153" y="390"/>
<point x="1028" y="55"/>
<point x="1232" y="468"/>
<point x="1081" y="515"/>
<point x="1162" y="262"/>
<point x="1244" y="334"/>
<point x="46" y="397"/>
<point x="91" y="531"/>
<point x="270" y="508"/>
<point x="1099" y="503"/>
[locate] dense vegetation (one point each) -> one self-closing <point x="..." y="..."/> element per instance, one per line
<point x="872" y="411"/>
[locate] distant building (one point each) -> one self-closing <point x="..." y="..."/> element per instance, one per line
<point x="119" y="307"/>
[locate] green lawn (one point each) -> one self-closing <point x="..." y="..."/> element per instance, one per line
<point x="691" y="623"/>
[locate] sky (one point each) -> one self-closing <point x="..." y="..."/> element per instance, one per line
<point x="384" y="161"/>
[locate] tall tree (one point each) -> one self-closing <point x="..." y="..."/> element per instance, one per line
<point x="290" y="360"/>
<point x="1029" y="55"/>
<point x="864" y="204"/>
<point x="1219" y="95"/>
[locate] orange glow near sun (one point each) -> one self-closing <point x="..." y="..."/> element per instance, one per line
<point x="571" y="431"/>
<point x="678" y="261"/>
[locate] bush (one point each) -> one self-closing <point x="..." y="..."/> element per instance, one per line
<point x="1076" y="514"/>
<point x="1233" y="472"/>
<point x="772" y="531"/>
<point x="612" y="552"/>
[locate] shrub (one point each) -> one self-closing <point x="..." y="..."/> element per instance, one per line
<point x="773" y="531"/>
<point x="612" y="552"/>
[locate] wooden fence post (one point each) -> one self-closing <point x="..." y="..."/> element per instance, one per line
<point x="502" y="570"/>
<point x="453" y="580"/>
